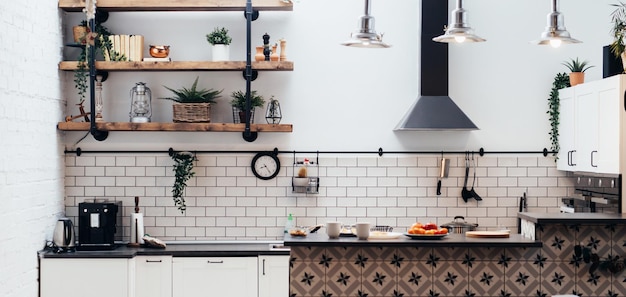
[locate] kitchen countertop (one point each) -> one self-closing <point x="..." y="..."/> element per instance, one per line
<point x="200" y="249"/>
<point x="573" y="218"/>
<point x="452" y="240"/>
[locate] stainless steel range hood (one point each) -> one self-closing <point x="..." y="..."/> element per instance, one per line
<point x="434" y="109"/>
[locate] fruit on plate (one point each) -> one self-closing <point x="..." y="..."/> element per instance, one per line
<point x="427" y="229"/>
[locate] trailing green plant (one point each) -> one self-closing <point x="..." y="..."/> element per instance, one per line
<point x="239" y="100"/>
<point x="574" y="65"/>
<point x="193" y="95"/>
<point x="618" y="18"/>
<point x="183" y="166"/>
<point x="614" y="264"/>
<point x="98" y="40"/>
<point x="219" y="36"/>
<point x="561" y="80"/>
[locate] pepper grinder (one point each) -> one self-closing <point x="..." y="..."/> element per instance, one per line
<point x="266" y="46"/>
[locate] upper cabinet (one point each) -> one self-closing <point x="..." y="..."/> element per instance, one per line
<point x="591" y="127"/>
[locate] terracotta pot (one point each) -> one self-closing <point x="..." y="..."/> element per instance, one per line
<point x="576" y="78"/>
<point x="159" y="51"/>
<point x="79" y="33"/>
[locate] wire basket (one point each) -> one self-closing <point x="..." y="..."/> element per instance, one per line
<point x="192" y="112"/>
<point x="381" y="228"/>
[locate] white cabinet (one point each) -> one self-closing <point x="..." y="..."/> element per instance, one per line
<point x="153" y="276"/>
<point x="592" y="118"/>
<point x="87" y="277"/>
<point x="214" y="276"/>
<point x="273" y="276"/>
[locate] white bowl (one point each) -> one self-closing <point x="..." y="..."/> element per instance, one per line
<point x="300" y="181"/>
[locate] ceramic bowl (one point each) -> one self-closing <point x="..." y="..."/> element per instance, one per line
<point x="159" y="51"/>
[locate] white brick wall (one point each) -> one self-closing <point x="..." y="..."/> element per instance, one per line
<point x="31" y="162"/>
<point x="226" y="202"/>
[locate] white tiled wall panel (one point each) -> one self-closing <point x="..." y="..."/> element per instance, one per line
<point x="226" y="202"/>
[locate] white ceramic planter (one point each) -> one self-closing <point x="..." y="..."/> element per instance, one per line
<point x="220" y="52"/>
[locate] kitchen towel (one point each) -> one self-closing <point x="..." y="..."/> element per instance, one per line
<point x="136" y="228"/>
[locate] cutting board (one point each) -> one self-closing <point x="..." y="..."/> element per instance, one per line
<point x="488" y="234"/>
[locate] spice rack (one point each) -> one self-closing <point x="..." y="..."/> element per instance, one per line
<point x="309" y="182"/>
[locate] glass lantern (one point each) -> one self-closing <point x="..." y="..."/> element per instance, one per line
<point x="140" y="103"/>
<point x="273" y="115"/>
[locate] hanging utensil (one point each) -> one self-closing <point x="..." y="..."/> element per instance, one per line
<point x="444" y="169"/>
<point x="465" y="193"/>
<point x="472" y="192"/>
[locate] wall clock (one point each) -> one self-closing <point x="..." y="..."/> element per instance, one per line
<point x="265" y="165"/>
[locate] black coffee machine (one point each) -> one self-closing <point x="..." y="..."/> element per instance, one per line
<point x="97" y="224"/>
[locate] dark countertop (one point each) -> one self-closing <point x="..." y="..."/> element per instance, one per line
<point x="573" y="218"/>
<point x="452" y="240"/>
<point x="205" y="249"/>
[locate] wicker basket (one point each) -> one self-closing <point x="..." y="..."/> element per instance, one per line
<point x="192" y="112"/>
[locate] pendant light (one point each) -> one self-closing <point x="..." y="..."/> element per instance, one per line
<point x="555" y="32"/>
<point x="458" y="30"/>
<point x="366" y="36"/>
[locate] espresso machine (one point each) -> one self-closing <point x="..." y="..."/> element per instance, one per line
<point x="97" y="225"/>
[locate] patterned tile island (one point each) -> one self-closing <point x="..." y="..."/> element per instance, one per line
<point x="459" y="266"/>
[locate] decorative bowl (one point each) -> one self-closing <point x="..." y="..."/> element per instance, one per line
<point x="159" y="51"/>
<point x="299" y="231"/>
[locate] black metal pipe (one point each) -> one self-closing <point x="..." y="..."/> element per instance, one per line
<point x="91" y="63"/>
<point x="379" y="152"/>
<point x="248" y="111"/>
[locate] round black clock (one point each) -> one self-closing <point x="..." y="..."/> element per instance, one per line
<point x="265" y="165"/>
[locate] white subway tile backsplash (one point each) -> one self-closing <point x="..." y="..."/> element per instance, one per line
<point x="225" y="201"/>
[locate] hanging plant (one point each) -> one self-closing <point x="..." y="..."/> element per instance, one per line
<point x="183" y="166"/>
<point x="561" y="80"/>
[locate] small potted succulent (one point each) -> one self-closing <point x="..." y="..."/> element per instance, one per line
<point x="577" y="69"/>
<point x="239" y="105"/>
<point x="192" y="105"/>
<point x="219" y="40"/>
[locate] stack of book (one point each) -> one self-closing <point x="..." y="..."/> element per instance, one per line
<point x="129" y="46"/>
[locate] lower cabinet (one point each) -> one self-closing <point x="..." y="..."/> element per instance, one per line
<point x="273" y="276"/>
<point x="153" y="276"/>
<point x="215" y="276"/>
<point x="87" y="277"/>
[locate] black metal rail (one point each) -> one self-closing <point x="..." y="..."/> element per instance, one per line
<point x="379" y="152"/>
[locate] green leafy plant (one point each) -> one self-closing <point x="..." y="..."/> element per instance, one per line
<point x="574" y="65"/>
<point x="561" y="80"/>
<point x="618" y="18"/>
<point x="239" y="100"/>
<point x="183" y="166"/>
<point x="193" y="95"/>
<point x="96" y="39"/>
<point x="614" y="264"/>
<point x="219" y="36"/>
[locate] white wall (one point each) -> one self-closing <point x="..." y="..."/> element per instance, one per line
<point x="359" y="95"/>
<point x="31" y="163"/>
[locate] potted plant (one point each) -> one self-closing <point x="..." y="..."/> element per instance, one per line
<point x="219" y="40"/>
<point x="577" y="68"/>
<point x="183" y="166"/>
<point x="618" y="18"/>
<point x="239" y="105"/>
<point x="192" y="105"/>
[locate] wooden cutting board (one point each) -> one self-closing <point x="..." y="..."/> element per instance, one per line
<point x="487" y="234"/>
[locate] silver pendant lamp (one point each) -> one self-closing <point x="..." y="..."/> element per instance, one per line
<point x="458" y="30"/>
<point x="555" y="33"/>
<point x="366" y="36"/>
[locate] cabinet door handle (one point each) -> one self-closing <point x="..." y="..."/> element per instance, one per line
<point x="263" y="266"/>
<point x="215" y="262"/>
<point x="592" y="163"/>
<point x="573" y="164"/>
<point x="569" y="158"/>
<point x="154" y="261"/>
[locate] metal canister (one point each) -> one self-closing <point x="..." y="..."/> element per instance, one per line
<point x="459" y="226"/>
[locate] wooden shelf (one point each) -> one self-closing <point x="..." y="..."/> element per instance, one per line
<point x="183" y="66"/>
<point x="177" y="5"/>
<point x="178" y="127"/>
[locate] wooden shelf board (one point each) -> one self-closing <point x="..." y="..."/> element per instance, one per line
<point x="179" y="127"/>
<point x="183" y="66"/>
<point x="177" y="5"/>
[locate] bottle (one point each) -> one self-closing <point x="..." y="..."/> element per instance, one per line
<point x="289" y="224"/>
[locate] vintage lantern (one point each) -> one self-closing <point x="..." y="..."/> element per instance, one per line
<point x="140" y="103"/>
